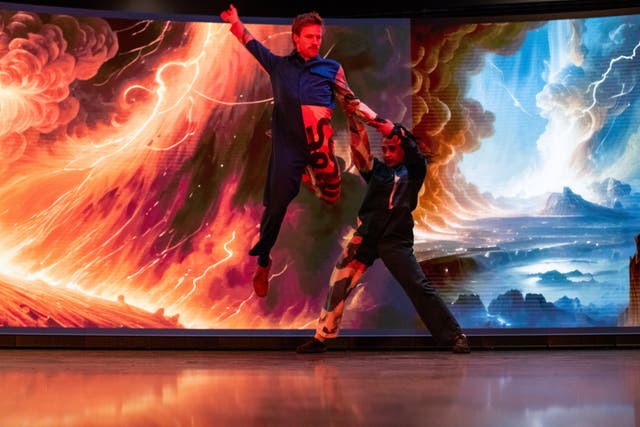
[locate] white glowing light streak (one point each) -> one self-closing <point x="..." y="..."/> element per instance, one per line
<point x="309" y="324"/>
<point x="157" y="110"/>
<point x="63" y="202"/>
<point x="188" y="133"/>
<point x="238" y="310"/>
<point x="280" y="273"/>
<point x="516" y="101"/>
<point x="219" y="101"/>
<point x="595" y="85"/>
<point x="229" y="255"/>
<point x="139" y="50"/>
<point x="211" y="267"/>
<point x="163" y="254"/>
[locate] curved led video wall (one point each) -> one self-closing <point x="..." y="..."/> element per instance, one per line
<point x="134" y="154"/>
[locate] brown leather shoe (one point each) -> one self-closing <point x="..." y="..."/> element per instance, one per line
<point x="461" y="344"/>
<point x="261" y="280"/>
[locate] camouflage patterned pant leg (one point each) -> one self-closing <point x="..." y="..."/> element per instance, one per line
<point x="345" y="276"/>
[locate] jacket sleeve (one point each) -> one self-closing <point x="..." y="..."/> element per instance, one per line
<point x="359" y="145"/>
<point x="415" y="160"/>
<point x="264" y="56"/>
<point x="358" y="114"/>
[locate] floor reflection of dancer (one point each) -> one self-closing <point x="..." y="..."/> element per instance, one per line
<point x="305" y="89"/>
<point x="385" y="231"/>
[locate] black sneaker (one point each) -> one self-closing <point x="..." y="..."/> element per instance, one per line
<point x="312" y="346"/>
<point x="461" y="344"/>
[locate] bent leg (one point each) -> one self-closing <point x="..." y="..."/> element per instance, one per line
<point x="323" y="170"/>
<point x="324" y="176"/>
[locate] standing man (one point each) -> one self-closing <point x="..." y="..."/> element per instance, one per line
<point x="385" y="231"/>
<point x="305" y="89"/>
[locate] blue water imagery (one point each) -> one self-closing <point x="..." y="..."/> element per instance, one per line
<point x="560" y="166"/>
<point x="565" y="266"/>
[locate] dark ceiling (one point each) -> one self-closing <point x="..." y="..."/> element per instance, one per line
<point x="350" y="9"/>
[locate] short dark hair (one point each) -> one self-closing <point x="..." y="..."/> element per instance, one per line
<point x="401" y="132"/>
<point x="304" y="19"/>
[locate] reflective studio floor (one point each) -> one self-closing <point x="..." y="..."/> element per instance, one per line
<point x="590" y="387"/>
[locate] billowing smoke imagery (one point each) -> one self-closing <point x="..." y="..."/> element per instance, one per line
<point x="40" y="59"/>
<point x="134" y="159"/>
<point x="92" y="202"/>
<point x="134" y="155"/>
<point x="450" y="124"/>
<point x="558" y="161"/>
<point x="577" y="93"/>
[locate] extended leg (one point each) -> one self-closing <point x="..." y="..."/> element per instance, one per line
<point x="433" y="311"/>
<point x="283" y="184"/>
